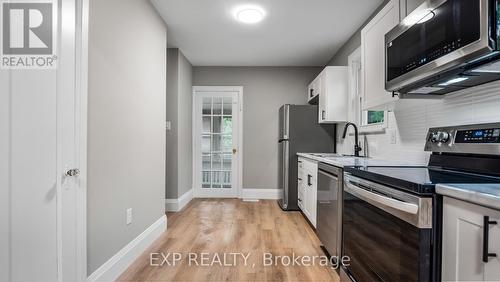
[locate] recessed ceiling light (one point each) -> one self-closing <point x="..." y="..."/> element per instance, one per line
<point x="249" y="14"/>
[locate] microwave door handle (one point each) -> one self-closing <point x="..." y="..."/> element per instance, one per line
<point x="381" y="200"/>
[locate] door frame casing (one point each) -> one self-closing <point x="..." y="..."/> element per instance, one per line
<point x="239" y="89"/>
<point x="81" y="101"/>
<point x="77" y="67"/>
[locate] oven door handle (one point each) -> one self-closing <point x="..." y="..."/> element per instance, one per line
<point x="377" y="199"/>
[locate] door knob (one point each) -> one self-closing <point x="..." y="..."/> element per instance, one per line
<point x="72" y="172"/>
<point x="234" y="151"/>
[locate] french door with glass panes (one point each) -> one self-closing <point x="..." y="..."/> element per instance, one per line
<point x="216" y="141"/>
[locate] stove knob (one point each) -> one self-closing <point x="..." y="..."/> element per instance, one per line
<point x="434" y="137"/>
<point x="443" y="137"/>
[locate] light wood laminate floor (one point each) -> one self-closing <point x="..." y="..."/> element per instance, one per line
<point x="218" y="226"/>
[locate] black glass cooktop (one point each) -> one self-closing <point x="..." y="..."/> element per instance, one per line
<point x="420" y="180"/>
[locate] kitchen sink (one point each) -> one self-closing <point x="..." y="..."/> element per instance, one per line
<point x="327" y="155"/>
<point x="334" y="155"/>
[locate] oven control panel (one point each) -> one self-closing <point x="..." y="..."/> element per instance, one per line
<point x="489" y="135"/>
<point x="467" y="139"/>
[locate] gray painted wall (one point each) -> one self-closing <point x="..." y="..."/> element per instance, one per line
<point x="172" y="112"/>
<point x="179" y="113"/>
<point x="266" y="89"/>
<point x="340" y="58"/>
<point x="126" y="124"/>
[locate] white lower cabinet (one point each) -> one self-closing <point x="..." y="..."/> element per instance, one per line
<point x="308" y="188"/>
<point x="300" y="184"/>
<point x="464" y="236"/>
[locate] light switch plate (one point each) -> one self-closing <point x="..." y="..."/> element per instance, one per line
<point x="129" y="216"/>
<point x="168" y="125"/>
<point x="393" y="136"/>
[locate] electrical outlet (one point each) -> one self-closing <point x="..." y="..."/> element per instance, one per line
<point x="129" y="216"/>
<point x="393" y="136"/>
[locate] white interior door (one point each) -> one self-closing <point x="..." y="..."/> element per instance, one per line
<point x="217" y="141"/>
<point x="43" y="114"/>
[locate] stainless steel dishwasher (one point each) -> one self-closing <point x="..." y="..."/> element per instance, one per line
<point x="329" y="217"/>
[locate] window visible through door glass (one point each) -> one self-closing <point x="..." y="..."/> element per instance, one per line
<point x="207" y="124"/>
<point x="207" y="106"/>
<point x="228" y="106"/>
<point x="217" y="124"/>
<point x="217" y="108"/>
<point x="205" y="143"/>
<point x="217" y="142"/>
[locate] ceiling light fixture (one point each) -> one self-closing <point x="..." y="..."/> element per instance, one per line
<point x="249" y="14"/>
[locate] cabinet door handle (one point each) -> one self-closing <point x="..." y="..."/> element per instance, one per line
<point x="311" y="91"/>
<point x="309" y="180"/>
<point x="300" y="179"/>
<point x="323" y="115"/>
<point x="486" y="239"/>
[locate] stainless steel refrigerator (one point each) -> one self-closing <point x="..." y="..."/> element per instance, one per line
<point x="299" y="132"/>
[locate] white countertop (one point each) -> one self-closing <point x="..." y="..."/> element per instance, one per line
<point x="343" y="161"/>
<point x="482" y="194"/>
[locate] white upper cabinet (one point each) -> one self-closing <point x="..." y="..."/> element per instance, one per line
<point x="411" y="5"/>
<point x="313" y="89"/>
<point x="331" y="90"/>
<point x="373" y="57"/>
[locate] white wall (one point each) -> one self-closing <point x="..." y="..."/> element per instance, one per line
<point x="266" y="89"/>
<point x="412" y="118"/>
<point x="126" y="124"/>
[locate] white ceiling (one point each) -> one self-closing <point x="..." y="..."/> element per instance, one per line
<point x="293" y="33"/>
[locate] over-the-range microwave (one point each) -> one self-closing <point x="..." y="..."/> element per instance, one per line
<point x="443" y="46"/>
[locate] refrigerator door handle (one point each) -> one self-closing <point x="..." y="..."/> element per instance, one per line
<point x="286" y="171"/>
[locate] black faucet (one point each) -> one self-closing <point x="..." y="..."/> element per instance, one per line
<point x="357" y="148"/>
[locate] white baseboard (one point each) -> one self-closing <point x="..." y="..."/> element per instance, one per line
<point x="175" y="205"/>
<point x="261" y="194"/>
<point x="117" y="264"/>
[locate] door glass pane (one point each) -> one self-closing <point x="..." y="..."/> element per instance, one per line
<point x="227" y="143"/>
<point x="217" y="109"/>
<point x="226" y="179"/>
<point x="206" y="179"/>
<point x="228" y="106"/>
<point x="207" y="120"/>
<point x="216" y="162"/>
<point x="206" y="162"/>
<point x="217" y="125"/>
<point x="227" y="161"/>
<point x="207" y="106"/>
<point x="216" y="179"/>
<point x="227" y="125"/>
<point x="205" y="144"/>
<point x="216" y="143"/>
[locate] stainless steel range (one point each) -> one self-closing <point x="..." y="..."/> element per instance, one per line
<point x="392" y="215"/>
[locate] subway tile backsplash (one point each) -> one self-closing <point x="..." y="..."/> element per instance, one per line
<point x="412" y="118"/>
